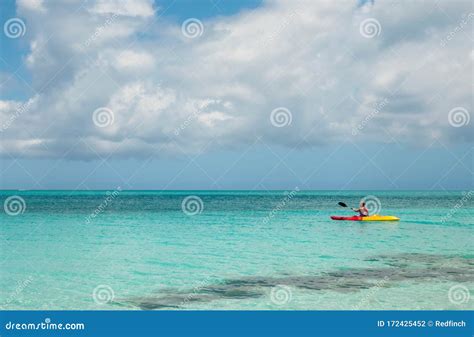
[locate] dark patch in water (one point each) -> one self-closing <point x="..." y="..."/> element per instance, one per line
<point x="402" y="267"/>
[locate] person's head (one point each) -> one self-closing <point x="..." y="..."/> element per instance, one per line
<point x="362" y="204"/>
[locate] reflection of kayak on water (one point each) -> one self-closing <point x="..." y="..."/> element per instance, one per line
<point x="375" y="217"/>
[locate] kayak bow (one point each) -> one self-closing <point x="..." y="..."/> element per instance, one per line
<point x="374" y="217"/>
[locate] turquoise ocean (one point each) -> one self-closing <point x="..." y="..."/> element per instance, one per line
<point x="234" y="250"/>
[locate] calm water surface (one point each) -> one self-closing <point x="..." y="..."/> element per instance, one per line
<point x="243" y="250"/>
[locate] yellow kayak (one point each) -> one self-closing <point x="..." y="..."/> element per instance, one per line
<point x="374" y="217"/>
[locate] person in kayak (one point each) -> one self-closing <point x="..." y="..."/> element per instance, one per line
<point x="363" y="211"/>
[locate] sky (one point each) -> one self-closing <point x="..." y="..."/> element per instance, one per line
<point x="213" y="94"/>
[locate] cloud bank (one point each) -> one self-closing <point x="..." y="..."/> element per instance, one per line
<point x="116" y="78"/>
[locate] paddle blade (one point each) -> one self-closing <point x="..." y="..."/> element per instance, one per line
<point x="342" y="204"/>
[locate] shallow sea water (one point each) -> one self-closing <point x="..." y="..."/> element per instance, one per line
<point x="245" y="250"/>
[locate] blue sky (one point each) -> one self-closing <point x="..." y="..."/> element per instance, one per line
<point x="236" y="95"/>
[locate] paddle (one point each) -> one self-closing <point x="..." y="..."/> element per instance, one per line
<point x="342" y="204"/>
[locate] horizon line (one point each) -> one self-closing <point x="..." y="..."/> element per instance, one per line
<point x="246" y="190"/>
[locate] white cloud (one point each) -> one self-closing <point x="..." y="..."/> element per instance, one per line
<point x="143" y="8"/>
<point x="211" y="119"/>
<point x="131" y="60"/>
<point x="306" y="56"/>
<point x="34" y="5"/>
